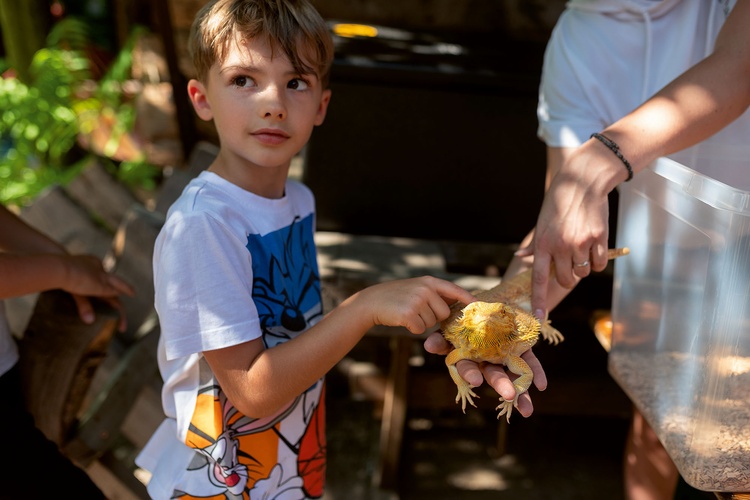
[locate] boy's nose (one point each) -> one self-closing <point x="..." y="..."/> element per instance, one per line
<point x="273" y="105"/>
<point x="274" y="114"/>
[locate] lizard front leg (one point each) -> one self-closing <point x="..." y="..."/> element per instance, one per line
<point x="518" y="366"/>
<point x="464" y="389"/>
<point x="550" y="333"/>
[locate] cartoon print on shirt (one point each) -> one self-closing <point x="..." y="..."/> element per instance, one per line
<point x="285" y="454"/>
<point x="288" y="284"/>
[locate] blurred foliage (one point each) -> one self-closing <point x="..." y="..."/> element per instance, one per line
<point x="40" y="123"/>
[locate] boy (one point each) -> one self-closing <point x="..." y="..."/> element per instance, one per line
<point x="244" y="345"/>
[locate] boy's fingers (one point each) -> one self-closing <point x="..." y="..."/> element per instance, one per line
<point x="450" y="292"/>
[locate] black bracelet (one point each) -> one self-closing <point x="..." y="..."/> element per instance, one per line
<point x="612" y="145"/>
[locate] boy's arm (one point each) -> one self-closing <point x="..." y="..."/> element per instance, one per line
<point x="260" y="381"/>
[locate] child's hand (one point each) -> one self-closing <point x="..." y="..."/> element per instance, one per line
<point x="416" y="304"/>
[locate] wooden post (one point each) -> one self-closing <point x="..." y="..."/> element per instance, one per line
<point x="394" y="414"/>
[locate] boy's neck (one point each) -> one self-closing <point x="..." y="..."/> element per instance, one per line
<point x="267" y="182"/>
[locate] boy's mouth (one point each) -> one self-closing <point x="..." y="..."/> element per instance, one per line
<point x="270" y="136"/>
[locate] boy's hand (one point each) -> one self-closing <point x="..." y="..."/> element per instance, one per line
<point x="495" y="375"/>
<point x="416" y="303"/>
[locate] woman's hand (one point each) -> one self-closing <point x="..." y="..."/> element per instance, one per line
<point x="572" y="229"/>
<point x="496" y="375"/>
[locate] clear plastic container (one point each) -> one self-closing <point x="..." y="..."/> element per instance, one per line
<point x="681" y="319"/>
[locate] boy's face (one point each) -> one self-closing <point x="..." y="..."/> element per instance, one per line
<point x="263" y="109"/>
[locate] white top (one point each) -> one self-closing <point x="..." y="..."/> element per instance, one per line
<point x="606" y="57"/>
<point x="230" y="267"/>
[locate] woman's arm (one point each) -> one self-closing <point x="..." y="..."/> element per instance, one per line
<point x="31" y="262"/>
<point x="572" y="227"/>
<point x="80" y="275"/>
<point x="18" y="237"/>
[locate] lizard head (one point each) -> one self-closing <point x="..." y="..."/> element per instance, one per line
<point x="488" y="322"/>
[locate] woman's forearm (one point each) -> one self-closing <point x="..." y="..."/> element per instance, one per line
<point x="18" y="237"/>
<point x="24" y="274"/>
<point x="694" y="106"/>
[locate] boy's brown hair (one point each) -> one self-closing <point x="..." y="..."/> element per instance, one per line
<point x="288" y="24"/>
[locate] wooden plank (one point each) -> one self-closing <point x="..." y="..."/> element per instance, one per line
<point x="145" y="416"/>
<point x="59" y="354"/>
<point x="101" y="425"/>
<point x="55" y="214"/>
<point x="201" y="157"/>
<point x="112" y="487"/>
<point x="101" y="195"/>
<point x="131" y="257"/>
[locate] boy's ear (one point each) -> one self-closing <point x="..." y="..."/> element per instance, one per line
<point x="197" y="93"/>
<point x="323" y="108"/>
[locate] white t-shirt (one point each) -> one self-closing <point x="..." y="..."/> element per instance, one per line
<point x="606" y="57"/>
<point x="230" y="267"/>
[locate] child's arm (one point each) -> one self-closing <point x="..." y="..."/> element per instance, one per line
<point x="259" y="382"/>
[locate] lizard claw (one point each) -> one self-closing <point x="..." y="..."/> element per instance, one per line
<point x="550" y="333"/>
<point x="464" y="394"/>
<point x="506" y="408"/>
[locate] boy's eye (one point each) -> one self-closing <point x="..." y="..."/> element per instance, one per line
<point x="242" y="81"/>
<point x="297" y="84"/>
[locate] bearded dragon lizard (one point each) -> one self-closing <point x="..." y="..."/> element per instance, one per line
<point x="498" y="328"/>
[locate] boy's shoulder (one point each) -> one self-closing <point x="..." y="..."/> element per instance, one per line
<point x="201" y="194"/>
<point x="296" y="188"/>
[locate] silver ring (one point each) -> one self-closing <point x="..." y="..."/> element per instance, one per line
<point x="583" y="264"/>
